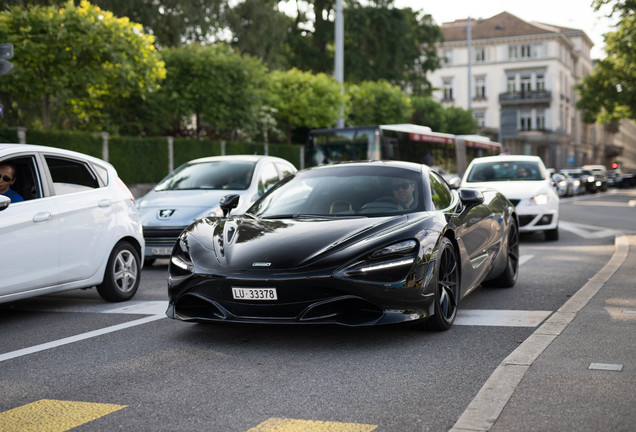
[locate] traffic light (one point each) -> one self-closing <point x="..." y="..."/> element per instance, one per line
<point x="614" y="165"/>
<point x="6" y="52"/>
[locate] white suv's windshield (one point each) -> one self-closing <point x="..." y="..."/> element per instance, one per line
<point x="505" y="171"/>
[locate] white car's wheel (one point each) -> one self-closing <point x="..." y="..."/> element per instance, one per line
<point x="123" y="273"/>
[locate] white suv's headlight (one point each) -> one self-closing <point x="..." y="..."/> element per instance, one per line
<point x="540" y="200"/>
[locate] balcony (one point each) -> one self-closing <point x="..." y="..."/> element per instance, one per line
<point x="525" y="98"/>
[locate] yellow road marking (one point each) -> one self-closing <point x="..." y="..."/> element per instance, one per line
<point x="291" y="425"/>
<point x="53" y="415"/>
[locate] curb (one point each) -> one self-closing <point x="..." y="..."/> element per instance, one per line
<point x="484" y="410"/>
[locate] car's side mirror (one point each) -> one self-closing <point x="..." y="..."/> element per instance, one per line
<point x="471" y="196"/>
<point x="228" y="203"/>
<point x="4" y="202"/>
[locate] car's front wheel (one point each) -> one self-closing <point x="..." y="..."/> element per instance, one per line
<point x="447" y="289"/>
<point x="552" y="235"/>
<point x="123" y="273"/>
<point x="508" y="277"/>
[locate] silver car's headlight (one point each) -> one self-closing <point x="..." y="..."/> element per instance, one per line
<point x="540" y="199"/>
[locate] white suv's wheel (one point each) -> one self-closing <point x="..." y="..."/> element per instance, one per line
<point x="123" y="273"/>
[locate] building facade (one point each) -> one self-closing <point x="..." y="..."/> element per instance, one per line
<point x="518" y="79"/>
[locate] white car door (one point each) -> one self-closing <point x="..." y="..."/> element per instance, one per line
<point x="85" y="212"/>
<point x="29" y="234"/>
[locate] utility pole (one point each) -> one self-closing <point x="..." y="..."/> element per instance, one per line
<point x="339" y="57"/>
<point x="470" y="60"/>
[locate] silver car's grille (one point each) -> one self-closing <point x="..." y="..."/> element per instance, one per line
<point x="161" y="237"/>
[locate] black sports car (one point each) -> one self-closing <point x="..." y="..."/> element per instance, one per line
<point x="356" y="244"/>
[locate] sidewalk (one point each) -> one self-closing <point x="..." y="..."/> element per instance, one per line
<point x="577" y="372"/>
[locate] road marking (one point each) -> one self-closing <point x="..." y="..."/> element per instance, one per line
<point x="500" y="318"/>
<point x="79" y="337"/>
<point x="525" y="258"/>
<point x="131" y="307"/>
<point x="606" y="367"/>
<point x="588" y="231"/>
<point x="47" y="415"/>
<point x="292" y="425"/>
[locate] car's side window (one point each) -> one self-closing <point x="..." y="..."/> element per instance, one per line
<point x="285" y="170"/>
<point x="268" y="178"/>
<point x="440" y="192"/>
<point x="70" y="175"/>
<point x="27" y="183"/>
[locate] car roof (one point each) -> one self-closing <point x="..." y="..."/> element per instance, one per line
<point x="507" y="158"/>
<point x="386" y="163"/>
<point x="228" y="158"/>
<point x="12" y="148"/>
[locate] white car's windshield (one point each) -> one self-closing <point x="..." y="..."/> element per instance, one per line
<point x="505" y="171"/>
<point x="225" y="175"/>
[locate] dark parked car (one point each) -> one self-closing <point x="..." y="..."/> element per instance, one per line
<point x="353" y="244"/>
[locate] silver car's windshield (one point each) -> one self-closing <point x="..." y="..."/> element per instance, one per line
<point x="344" y="192"/>
<point x="224" y="175"/>
<point x="505" y="171"/>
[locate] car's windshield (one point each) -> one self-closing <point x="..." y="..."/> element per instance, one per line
<point x="505" y="171"/>
<point x="225" y="175"/>
<point x="344" y="191"/>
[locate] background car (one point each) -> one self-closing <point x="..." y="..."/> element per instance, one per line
<point x="354" y="244"/>
<point x="600" y="173"/>
<point x="535" y="199"/>
<point x="194" y="190"/>
<point x="574" y="183"/>
<point x="77" y="227"/>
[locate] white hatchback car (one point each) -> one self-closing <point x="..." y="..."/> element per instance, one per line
<point x="525" y="181"/>
<point x="76" y="227"/>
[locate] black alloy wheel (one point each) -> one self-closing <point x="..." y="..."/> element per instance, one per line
<point x="447" y="289"/>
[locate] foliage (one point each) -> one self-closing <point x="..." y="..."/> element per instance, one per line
<point x="375" y="103"/>
<point x="428" y="112"/>
<point x="609" y="93"/>
<point x="302" y="99"/>
<point x="260" y="30"/>
<point x="459" y="121"/>
<point x="222" y="91"/>
<point x="77" y="59"/>
<point x="172" y="22"/>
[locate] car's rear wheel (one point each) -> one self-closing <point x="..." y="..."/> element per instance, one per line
<point x="508" y="277"/>
<point x="447" y="289"/>
<point x="123" y="273"/>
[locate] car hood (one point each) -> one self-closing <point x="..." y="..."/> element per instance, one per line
<point x="183" y="206"/>
<point x="513" y="189"/>
<point x="245" y="243"/>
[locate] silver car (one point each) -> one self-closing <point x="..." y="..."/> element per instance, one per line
<point x="194" y="190"/>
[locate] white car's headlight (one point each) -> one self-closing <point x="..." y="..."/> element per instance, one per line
<point x="540" y="200"/>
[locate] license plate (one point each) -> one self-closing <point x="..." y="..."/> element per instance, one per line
<point x="254" y="293"/>
<point x="161" y="251"/>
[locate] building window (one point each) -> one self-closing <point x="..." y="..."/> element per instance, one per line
<point x="511" y="86"/>
<point x="526" y="82"/>
<point x="525" y="120"/>
<point x="480" y="55"/>
<point x="448" y="57"/>
<point x="447" y="85"/>
<point x="512" y="51"/>
<point x="538" y="50"/>
<point x="480" y="116"/>
<point x="525" y="51"/>
<point x="540" y="82"/>
<point x="540" y="116"/>
<point x="480" y="87"/>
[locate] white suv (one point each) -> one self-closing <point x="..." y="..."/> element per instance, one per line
<point x="76" y="227"/>
<point x="525" y="181"/>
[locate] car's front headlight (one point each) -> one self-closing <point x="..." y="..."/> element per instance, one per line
<point x="540" y="199"/>
<point x="388" y="264"/>
<point x="180" y="261"/>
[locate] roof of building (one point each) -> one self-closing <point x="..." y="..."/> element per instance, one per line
<point x="504" y="24"/>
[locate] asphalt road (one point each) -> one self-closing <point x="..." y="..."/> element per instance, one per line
<point x="127" y="367"/>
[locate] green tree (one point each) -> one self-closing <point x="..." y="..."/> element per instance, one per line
<point x="79" y="57"/>
<point x="428" y="112"/>
<point x="172" y="22"/>
<point x="221" y="90"/>
<point x="261" y="30"/>
<point x="303" y="99"/>
<point x="609" y="93"/>
<point x="377" y="102"/>
<point x="459" y="121"/>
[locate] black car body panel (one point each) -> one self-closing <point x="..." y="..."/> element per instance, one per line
<point x="351" y="267"/>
